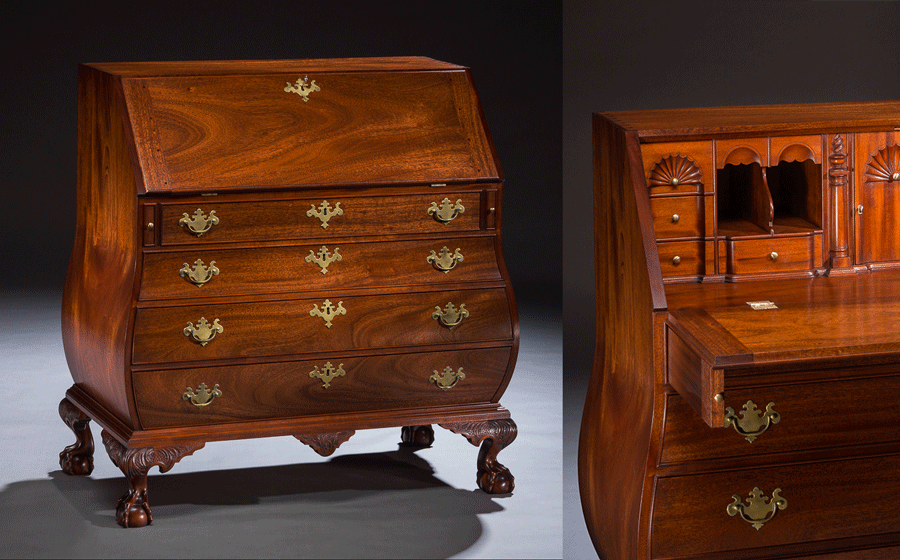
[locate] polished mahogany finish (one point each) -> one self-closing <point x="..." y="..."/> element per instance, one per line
<point x="741" y="403"/>
<point x="296" y="247"/>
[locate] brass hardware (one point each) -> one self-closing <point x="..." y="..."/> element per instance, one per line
<point x="200" y="223"/>
<point x="895" y="176"/>
<point x="447" y="211"/>
<point x="492" y="210"/>
<point x="199" y="274"/>
<point x="327" y="373"/>
<point x="445" y="262"/>
<point x="447" y="378"/>
<point x="450" y="316"/>
<point x="323" y="259"/>
<point x="328" y="311"/>
<point x="675" y="218"/>
<point x="674" y="181"/>
<point x="676" y="260"/>
<point x="203" y="396"/>
<point x="719" y="397"/>
<point x="753" y="422"/>
<point x="302" y="87"/>
<point x="760" y="305"/>
<point x="759" y="509"/>
<point x="203" y="332"/>
<point x="150" y="225"/>
<point x="859" y="209"/>
<point x="325" y="212"/>
<point x="773" y="255"/>
<point x="438" y="184"/>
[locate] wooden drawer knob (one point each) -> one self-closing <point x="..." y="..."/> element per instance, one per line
<point x="759" y="509"/>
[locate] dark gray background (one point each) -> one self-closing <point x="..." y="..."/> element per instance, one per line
<point x="654" y="55"/>
<point x="513" y="48"/>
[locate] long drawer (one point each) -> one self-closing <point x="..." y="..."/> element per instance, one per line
<point x="760" y="255"/>
<point x="827" y="500"/>
<point x="285" y="389"/>
<point x="809" y="416"/>
<point x="272" y="328"/>
<point x="265" y="270"/>
<point x="318" y="217"/>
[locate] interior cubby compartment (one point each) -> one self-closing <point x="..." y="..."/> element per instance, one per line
<point x="745" y="205"/>
<point x="796" y="190"/>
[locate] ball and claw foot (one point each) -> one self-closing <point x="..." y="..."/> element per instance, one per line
<point x="132" y="509"/>
<point x="417" y="436"/>
<point x="78" y="458"/>
<point x="493" y="436"/>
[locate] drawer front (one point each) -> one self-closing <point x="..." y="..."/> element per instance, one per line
<point x="811" y="416"/>
<point x="774" y="254"/>
<point x="682" y="258"/>
<point x="269" y="270"/>
<point x="825" y="500"/>
<point x="304" y="218"/>
<point x="276" y="328"/>
<point x="678" y="216"/>
<point x="259" y="391"/>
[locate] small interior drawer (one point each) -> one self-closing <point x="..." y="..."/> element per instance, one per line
<point x="680" y="216"/>
<point x="682" y="258"/>
<point x="767" y="254"/>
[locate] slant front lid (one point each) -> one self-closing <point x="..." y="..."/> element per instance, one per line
<point x="315" y="124"/>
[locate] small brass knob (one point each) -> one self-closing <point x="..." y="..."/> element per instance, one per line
<point x="719" y="397"/>
<point x="676" y="260"/>
<point x="674" y="181"/>
<point x="895" y="176"/>
<point x="150" y="225"/>
<point x="675" y="218"/>
<point x="773" y="255"/>
<point x="859" y="209"/>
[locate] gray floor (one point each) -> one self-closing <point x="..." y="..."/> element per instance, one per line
<point x="275" y="497"/>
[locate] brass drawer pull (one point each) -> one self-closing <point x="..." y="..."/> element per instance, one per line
<point x="675" y="218"/>
<point x="676" y="260"/>
<point x="203" y="332"/>
<point x="327" y="373"/>
<point x="448" y="378"/>
<point x="323" y="258"/>
<point x="203" y="396"/>
<point x="200" y="223"/>
<point x="759" y="509"/>
<point x="199" y="274"/>
<point x="753" y="422"/>
<point x="328" y="311"/>
<point x="773" y="255"/>
<point x="450" y="316"/>
<point x="325" y="212"/>
<point x="447" y="211"/>
<point x="446" y="261"/>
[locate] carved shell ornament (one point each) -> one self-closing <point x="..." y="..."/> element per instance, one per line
<point x="674" y="170"/>
<point x="885" y="165"/>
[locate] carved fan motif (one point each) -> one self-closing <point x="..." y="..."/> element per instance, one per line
<point x="885" y="165"/>
<point x="675" y="170"/>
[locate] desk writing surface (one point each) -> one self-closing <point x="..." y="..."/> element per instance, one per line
<point x="813" y="319"/>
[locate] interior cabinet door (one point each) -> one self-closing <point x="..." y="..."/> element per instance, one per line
<point x="877" y="212"/>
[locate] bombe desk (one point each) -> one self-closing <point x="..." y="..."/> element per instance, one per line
<point x="745" y="398"/>
<point x="294" y="247"/>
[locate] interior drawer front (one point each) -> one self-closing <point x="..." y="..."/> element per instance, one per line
<point x="825" y="500"/>
<point x="772" y="254"/>
<point x="275" y="328"/>
<point x="682" y="258"/>
<point x="678" y="216"/>
<point x="291" y="219"/>
<point x="810" y="416"/>
<point x="268" y="270"/>
<point x="285" y="389"/>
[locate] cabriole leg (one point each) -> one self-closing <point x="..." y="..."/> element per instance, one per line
<point x="78" y="458"/>
<point x="132" y="509"/>
<point x="417" y="436"/>
<point x="493" y="436"/>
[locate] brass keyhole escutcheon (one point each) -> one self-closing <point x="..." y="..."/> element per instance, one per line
<point x="325" y="212"/>
<point x="203" y="396"/>
<point x="675" y="218"/>
<point x="200" y="223"/>
<point x="859" y="209"/>
<point x="328" y="311"/>
<point x="759" y="509"/>
<point x="203" y="332"/>
<point x="773" y="255"/>
<point x="676" y="260"/>
<point x="324" y="258"/>
<point x="302" y="87"/>
<point x="447" y="211"/>
<point x="327" y="373"/>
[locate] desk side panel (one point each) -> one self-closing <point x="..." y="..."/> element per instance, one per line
<point x="617" y="425"/>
